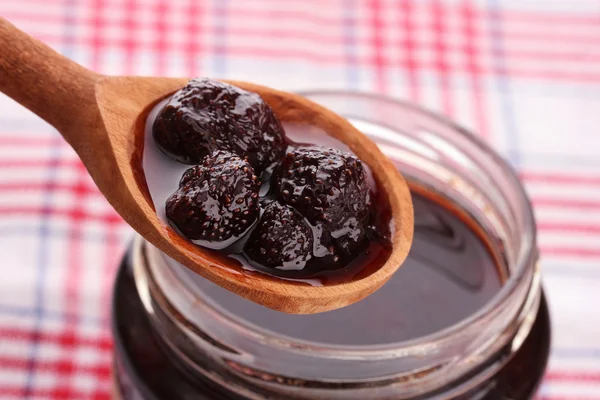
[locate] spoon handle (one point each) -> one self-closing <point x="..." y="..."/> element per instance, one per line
<point x="55" y="88"/>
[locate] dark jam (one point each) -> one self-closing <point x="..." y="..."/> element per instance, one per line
<point x="449" y="274"/>
<point x="328" y="261"/>
<point x="323" y="270"/>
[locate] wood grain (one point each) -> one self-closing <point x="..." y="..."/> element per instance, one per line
<point x="101" y="117"/>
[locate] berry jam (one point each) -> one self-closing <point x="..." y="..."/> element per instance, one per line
<point x="291" y="238"/>
<point x="208" y="115"/>
<point x="450" y="270"/>
<point x="450" y="323"/>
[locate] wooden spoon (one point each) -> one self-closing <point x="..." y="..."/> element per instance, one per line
<point x="103" y="119"/>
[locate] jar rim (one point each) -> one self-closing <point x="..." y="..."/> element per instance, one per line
<point x="525" y="258"/>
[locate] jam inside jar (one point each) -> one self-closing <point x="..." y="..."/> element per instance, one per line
<point x="464" y="317"/>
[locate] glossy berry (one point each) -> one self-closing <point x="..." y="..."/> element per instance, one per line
<point x="217" y="201"/>
<point x="207" y="115"/>
<point x="330" y="189"/>
<point x="281" y="240"/>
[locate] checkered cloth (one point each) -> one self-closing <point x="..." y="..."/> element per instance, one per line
<point x="524" y="74"/>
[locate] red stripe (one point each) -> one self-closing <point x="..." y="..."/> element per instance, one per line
<point x="73" y="279"/>
<point x="530" y="175"/>
<point x="563" y="397"/>
<point x="545" y="36"/>
<point x="560" y="38"/>
<point x="35" y="186"/>
<point x="95" y="192"/>
<point x="565" y="203"/>
<point x="28" y="141"/>
<point x="337" y="40"/>
<point x="254" y="14"/>
<point x="194" y="32"/>
<point x="79" y="216"/>
<point x="557" y="178"/>
<point x="438" y="13"/>
<point x="545" y="22"/>
<point x="253" y="51"/>
<point x="588" y="377"/>
<point x="569" y="227"/>
<point x="378" y="46"/>
<point x="563" y="55"/>
<point x="410" y="64"/>
<point x="37" y="163"/>
<point x="552" y="75"/>
<point x="160" y="45"/>
<point x="102" y="343"/>
<point x="130" y="27"/>
<point x="97" y="40"/>
<point x="61" y="367"/>
<point x="289" y="17"/>
<point x="59" y="392"/>
<point x="473" y="67"/>
<point x="103" y="394"/>
<point x="549" y="18"/>
<point x="527" y="18"/>
<point x="75" y="258"/>
<point x="570" y="252"/>
<point x="92" y="190"/>
<point x="541" y="396"/>
<point x="112" y="218"/>
<point x="161" y="30"/>
<point x="114" y="252"/>
<point x="65" y="368"/>
<point x="293" y="34"/>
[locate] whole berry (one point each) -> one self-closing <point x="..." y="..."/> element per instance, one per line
<point x="329" y="188"/>
<point x="207" y="115"/>
<point x="281" y="240"/>
<point x="326" y="185"/>
<point x="217" y="201"/>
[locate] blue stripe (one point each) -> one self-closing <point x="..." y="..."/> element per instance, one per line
<point x="349" y="35"/>
<point x="44" y="230"/>
<point x="503" y="82"/>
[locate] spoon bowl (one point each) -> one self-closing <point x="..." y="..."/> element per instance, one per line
<point x="103" y="118"/>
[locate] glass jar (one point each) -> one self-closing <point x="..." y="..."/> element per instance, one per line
<point x="174" y="341"/>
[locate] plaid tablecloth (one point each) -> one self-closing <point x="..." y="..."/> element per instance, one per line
<point x="524" y="74"/>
